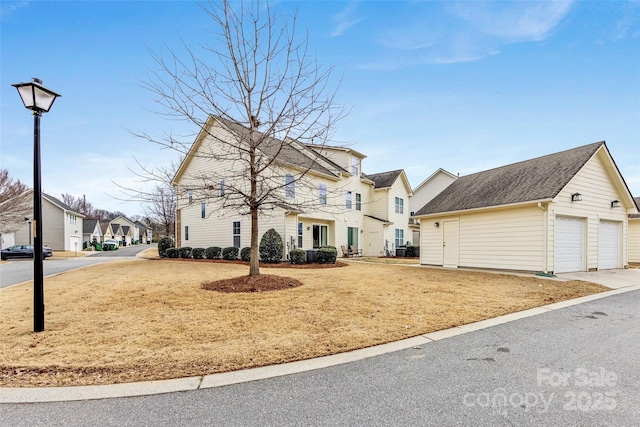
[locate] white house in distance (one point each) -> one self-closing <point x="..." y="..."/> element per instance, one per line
<point x="370" y="212"/>
<point x="634" y="235"/>
<point x="62" y="227"/>
<point x="91" y="231"/>
<point x="558" y="213"/>
<point x="424" y="192"/>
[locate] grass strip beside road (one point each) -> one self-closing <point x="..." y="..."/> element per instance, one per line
<point x="138" y="320"/>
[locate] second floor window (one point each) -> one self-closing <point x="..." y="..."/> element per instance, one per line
<point x="236" y="234"/>
<point x="322" y="194"/>
<point x="348" y="203"/>
<point x="399" y="205"/>
<point x="355" y="165"/>
<point x="203" y="210"/>
<point x="289" y="187"/>
<point x="190" y="193"/>
<point x="222" y="192"/>
<point x="358" y="201"/>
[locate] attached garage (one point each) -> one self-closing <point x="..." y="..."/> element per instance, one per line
<point x="569" y="245"/>
<point x="609" y="245"/>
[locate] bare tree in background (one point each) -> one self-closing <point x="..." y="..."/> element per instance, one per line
<point x="257" y="76"/>
<point x="78" y="204"/>
<point x="16" y="203"/>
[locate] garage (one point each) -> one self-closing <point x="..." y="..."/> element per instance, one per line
<point x="608" y="245"/>
<point x="569" y="245"/>
<point x="75" y="244"/>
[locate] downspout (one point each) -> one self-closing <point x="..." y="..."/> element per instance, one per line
<point x="546" y="240"/>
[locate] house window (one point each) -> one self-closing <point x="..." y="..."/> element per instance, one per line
<point x="355" y="165"/>
<point x="352" y="237"/>
<point x="203" y="210"/>
<point x="186" y="232"/>
<point x="222" y="192"/>
<point x="399" y="205"/>
<point x="399" y="237"/>
<point x="300" y="228"/>
<point x="320" y="233"/>
<point x="190" y="193"/>
<point x="322" y="194"/>
<point x="289" y="187"/>
<point x="348" y="204"/>
<point x="72" y="219"/>
<point x="236" y="234"/>
<point x="358" y="201"/>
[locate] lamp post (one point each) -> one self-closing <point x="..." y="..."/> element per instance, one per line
<point x="38" y="99"/>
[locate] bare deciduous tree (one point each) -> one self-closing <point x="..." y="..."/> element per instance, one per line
<point x="78" y="204"/>
<point x="256" y="75"/>
<point x="16" y="203"/>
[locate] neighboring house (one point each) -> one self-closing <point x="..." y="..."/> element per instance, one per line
<point x="558" y="213"/>
<point x="424" y="193"/>
<point x="349" y="207"/>
<point x="107" y="231"/>
<point x="62" y="227"/>
<point x="91" y="230"/>
<point x="144" y="232"/>
<point x="117" y="232"/>
<point x="130" y="230"/>
<point x="634" y="235"/>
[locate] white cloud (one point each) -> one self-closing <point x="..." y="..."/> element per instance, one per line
<point x="344" y="20"/>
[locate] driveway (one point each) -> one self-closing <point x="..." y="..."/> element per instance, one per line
<point x="571" y="366"/>
<point x="614" y="279"/>
<point x="18" y="271"/>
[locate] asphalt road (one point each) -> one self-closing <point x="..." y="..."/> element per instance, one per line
<point x="577" y="366"/>
<point x="18" y="271"/>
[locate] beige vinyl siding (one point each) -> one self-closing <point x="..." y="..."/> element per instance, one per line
<point x="54" y="228"/>
<point x="429" y="190"/>
<point x="431" y="250"/>
<point x="594" y="183"/>
<point x="400" y="220"/>
<point x="511" y="239"/>
<point x="634" y="240"/>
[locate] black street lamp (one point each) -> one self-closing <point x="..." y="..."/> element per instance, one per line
<point x="38" y="99"/>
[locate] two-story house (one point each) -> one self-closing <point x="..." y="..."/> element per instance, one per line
<point x="324" y="199"/>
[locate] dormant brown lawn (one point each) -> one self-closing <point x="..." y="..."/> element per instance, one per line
<point x="150" y="319"/>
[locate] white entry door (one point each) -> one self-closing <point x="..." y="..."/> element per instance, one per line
<point x="569" y="245"/>
<point x="451" y="243"/>
<point x="609" y="245"/>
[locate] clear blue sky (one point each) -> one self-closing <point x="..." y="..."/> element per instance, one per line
<point x="463" y="86"/>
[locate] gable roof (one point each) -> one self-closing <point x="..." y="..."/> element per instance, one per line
<point x="291" y="152"/>
<point x="387" y="179"/>
<point x="89" y="225"/>
<point x="433" y="175"/>
<point x="536" y="179"/>
<point x="637" y="200"/>
<point x="59" y="203"/>
<point x="104" y="226"/>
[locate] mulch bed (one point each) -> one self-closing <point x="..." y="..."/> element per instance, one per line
<point x="262" y="265"/>
<point x="261" y="283"/>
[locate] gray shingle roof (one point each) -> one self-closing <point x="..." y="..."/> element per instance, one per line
<point x="286" y="152"/>
<point x="384" y="179"/>
<point x="60" y="203"/>
<point x="88" y="225"/>
<point x="637" y="200"/>
<point x="536" y="179"/>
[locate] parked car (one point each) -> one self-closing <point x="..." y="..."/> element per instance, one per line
<point x="24" y="251"/>
<point x="110" y="245"/>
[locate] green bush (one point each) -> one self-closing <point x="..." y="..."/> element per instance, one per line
<point x="298" y="256"/>
<point x="412" y="252"/>
<point x="164" y="244"/>
<point x="213" y="252"/>
<point x="245" y="254"/>
<point x="230" y="253"/>
<point x="198" y="253"/>
<point x="271" y="247"/>
<point x="327" y="255"/>
<point x="171" y="253"/>
<point x="185" y="252"/>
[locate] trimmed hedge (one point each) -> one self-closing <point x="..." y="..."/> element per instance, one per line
<point x="230" y="253"/>
<point x="198" y="253"/>
<point x="327" y="255"/>
<point x="271" y="247"/>
<point x="298" y="256"/>
<point x="213" y="252"/>
<point x="185" y="252"/>
<point x="412" y="252"/>
<point x="171" y="253"/>
<point x="245" y="254"/>
<point x="164" y="244"/>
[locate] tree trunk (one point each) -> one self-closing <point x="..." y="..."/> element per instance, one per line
<point x="254" y="266"/>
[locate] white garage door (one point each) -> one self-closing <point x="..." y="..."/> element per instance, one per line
<point x="569" y="245"/>
<point x="608" y="245"/>
<point x="74" y="244"/>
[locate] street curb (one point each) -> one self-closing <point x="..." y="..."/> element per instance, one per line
<point x="63" y="394"/>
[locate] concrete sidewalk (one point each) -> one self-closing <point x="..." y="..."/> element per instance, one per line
<point x="614" y="279"/>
